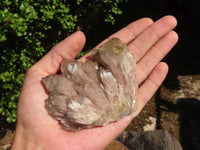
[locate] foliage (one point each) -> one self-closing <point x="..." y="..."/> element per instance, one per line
<point x="29" y="28"/>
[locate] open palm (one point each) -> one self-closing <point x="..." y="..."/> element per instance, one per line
<point x="36" y="129"/>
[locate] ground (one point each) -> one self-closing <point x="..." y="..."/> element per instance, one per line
<point x="6" y="134"/>
<point x="172" y="108"/>
<point x="176" y="109"/>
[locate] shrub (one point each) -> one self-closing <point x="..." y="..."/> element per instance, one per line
<point x="29" y="28"/>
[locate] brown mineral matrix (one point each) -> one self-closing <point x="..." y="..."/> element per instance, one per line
<point x="95" y="92"/>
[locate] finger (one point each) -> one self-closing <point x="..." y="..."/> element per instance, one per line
<point x="150" y="85"/>
<point x="151" y="35"/>
<point x="67" y="49"/>
<point x="112" y="130"/>
<point x="155" y="55"/>
<point x="131" y="31"/>
<point x="128" y="33"/>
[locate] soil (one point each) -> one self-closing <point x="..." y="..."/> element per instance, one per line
<point x="6" y="134"/>
<point x="175" y="108"/>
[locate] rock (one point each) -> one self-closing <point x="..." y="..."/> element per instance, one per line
<point x="150" y="140"/>
<point x="95" y="92"/>
<point x="116" y="145"/>
<point x="152" y="126"/>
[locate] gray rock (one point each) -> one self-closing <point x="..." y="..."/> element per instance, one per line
<point x="150" y="140"/>
<point x="95" y="92"/>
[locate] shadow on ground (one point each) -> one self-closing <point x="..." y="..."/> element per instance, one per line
<point x="188" y="110"/>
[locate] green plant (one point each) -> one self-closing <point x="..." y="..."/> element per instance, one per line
<point x="29" y="28"/>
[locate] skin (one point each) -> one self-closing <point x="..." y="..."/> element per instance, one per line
<point x="149" y="41"/>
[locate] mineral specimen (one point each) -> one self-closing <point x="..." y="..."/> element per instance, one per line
<point x="95" y="92"/>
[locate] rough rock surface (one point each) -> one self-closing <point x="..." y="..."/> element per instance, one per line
<point x="150" y="140"/>
<point x="116" y="145"/>
<point x="95" y="92"/>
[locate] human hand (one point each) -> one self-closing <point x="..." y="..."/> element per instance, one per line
<point x="36" y="129"/>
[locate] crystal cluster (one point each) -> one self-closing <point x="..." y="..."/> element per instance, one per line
<point x="95" y="92"/>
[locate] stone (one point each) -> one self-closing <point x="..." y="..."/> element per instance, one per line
<point x="151" y="126"/>
<point x="101" y="90"/>
<point x="149" y="140"/>
<point x="116" y="145"/>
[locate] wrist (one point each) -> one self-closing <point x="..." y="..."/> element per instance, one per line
<point x="24" y="141"/>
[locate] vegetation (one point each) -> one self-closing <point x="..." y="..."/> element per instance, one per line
<point x="29" y="28"/>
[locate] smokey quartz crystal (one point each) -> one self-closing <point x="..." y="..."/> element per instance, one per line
<point x="95" y="92"/>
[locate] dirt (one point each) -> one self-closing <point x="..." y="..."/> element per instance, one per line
<point x="6" y="134"/>
<point x="143" y="118"/>
<point x="176" y="109"/>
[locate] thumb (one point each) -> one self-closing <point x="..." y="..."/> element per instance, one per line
<point x="66" y="49"/>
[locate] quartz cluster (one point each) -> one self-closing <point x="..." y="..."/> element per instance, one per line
<point x="95" y="92"/>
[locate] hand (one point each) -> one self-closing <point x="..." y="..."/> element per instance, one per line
<point x="36" y="129"/>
